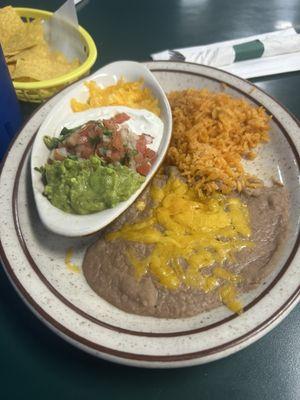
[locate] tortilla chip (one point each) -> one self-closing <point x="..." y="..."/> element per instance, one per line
<point x="8" y="59"/>
<point x="34" y="53"/>
<point x="30" y="35"/>
<point x="10" y="24"/>
<point x="27" y="54"/>
<point x="26" y="79"/>
<point x="43" y="69"/>
<point x="11" y="68"/>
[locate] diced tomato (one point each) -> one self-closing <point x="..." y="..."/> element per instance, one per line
<point x="116" y="155"/>
<point x="92" y="138"/>
<point x="138" y="158"/>
<point x="150" y="154"/>
<point x="117" y="142"/>
<point x="109" y="124"/>
<point x="142" y="165"/>
<point x="143" y="168"/>
<point x="91" y="130"/>
<point x="141" y="144"/>
<point x="112" y="123"/>
<point x="120" y="118"/>
<point x="84" y="150"/>
<point x="85" y="131"/>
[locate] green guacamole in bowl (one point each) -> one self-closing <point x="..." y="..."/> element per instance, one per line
<point x="87" y="186"/>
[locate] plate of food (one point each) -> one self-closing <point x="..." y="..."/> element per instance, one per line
<point x="203" y="263"/>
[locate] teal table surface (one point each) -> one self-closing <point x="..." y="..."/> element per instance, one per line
<point x="34" y="362"/>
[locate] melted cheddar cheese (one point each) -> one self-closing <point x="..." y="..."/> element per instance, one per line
<point x="189" y="235"/>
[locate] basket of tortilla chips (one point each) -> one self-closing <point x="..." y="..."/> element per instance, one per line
<point x="37" y="69"/>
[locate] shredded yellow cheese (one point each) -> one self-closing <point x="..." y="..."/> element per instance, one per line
<point x="140" y="205"/>
<point x="68" y="261"/>
<point x="130" y="94"/>
<point x="190" y="234"/>
<point x="228" y="296"/>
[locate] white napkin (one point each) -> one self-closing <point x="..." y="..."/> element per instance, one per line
<point x="215" y="54"/>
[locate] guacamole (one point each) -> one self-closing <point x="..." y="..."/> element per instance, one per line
<point x="87" y="186"/>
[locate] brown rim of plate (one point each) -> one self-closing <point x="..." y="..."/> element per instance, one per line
<point x="93" y="346"/>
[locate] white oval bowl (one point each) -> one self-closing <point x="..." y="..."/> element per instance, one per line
<point x="61" y="115"/>
<point x="34" y="257"/>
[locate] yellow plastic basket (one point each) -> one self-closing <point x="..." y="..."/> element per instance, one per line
<point x="36" y="92"/>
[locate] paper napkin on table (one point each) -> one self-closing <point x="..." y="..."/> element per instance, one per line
<point x="259" y="55"/>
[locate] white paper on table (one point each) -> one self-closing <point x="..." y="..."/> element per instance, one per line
<point x="250" y="68"/>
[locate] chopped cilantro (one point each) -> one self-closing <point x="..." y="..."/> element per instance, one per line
<point x="67" y="132"/>
<point x="72" y="157"/>
<point x="107" y="132"/>
<point x="51" y="142"/>
<point x="94" y="140"/>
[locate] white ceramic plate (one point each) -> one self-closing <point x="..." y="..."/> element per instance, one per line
<point x="34" y="258"/>
<point x="61" y="115"/>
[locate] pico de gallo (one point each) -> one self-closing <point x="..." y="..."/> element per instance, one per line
<point x="109" y="139"/>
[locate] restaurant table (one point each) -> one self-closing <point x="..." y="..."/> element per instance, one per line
<point x="37" y="364"/>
